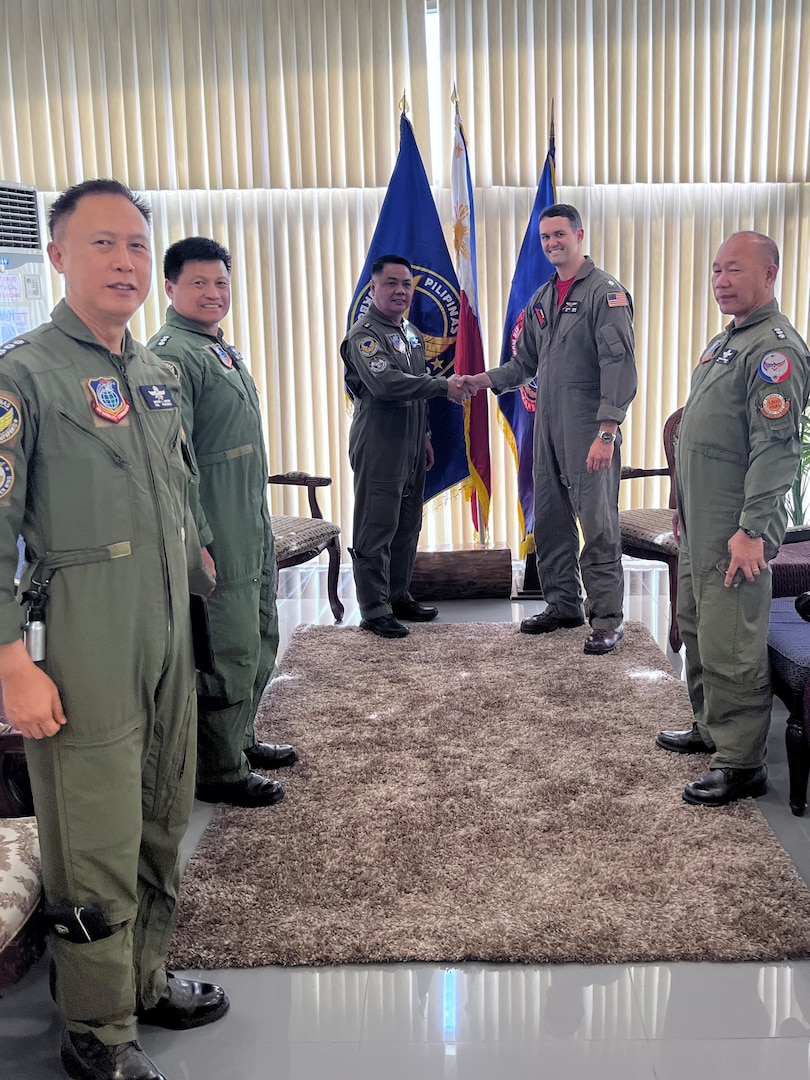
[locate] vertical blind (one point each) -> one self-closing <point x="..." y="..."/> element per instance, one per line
<point x="272" y="126"/>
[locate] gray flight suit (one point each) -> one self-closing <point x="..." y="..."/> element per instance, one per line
<point x="222" y="421"/>
<point x="582" y="355"/>
<point x="386" y="372"/>
<point x="92" y="476"/>
<point x="738" y="452"/>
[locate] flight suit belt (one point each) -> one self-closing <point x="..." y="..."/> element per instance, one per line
<point x="384" y="406"/>
<point x="56" y="560"/>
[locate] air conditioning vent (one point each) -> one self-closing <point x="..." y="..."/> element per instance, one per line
<point x="19" y="221"/>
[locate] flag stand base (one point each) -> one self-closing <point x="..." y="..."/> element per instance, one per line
<point x="467" y="572"/>
<point x="531" y="589"/>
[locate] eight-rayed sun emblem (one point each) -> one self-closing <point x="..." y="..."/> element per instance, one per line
<point x="461" y="229"/>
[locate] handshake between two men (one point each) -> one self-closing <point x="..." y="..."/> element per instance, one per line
<point x="461" y="388"/>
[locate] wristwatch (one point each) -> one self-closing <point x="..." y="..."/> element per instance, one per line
<point x="753" y="535"/>
<point x="607" y="436"/>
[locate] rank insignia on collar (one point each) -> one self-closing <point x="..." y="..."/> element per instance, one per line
<point x="774" y="406"/>
<point x="158" y="397"/>
<point x="368" y="347"/>
<point x="107" y="400"/>
<point x="397" y="342"/>
<point x="10" y="418"/>
<point x="570" y="307"/>
<point x="617" y="299"/>
<point x="779" y="332"/>
<point x="774" y="367"/>
<point x="726" y="356"/>
<point x="221" y="355"/>
<point x="541" y="316"/>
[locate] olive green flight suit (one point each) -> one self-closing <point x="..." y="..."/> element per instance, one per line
<point x="92" y="476"/>
<point x="386" y="372"/>
<point x="737" y="455"/>
<point x="222" y="421"/>
<point x="583" y="356"/>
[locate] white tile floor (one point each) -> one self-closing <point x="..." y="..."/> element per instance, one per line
<point x="422" y="1022"/>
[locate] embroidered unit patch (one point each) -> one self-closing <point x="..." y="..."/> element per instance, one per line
<point x="107" y="400"/>
<point x="10" y="419"/>
<point x="774" y="406"/>
<point x="774" y="367"/>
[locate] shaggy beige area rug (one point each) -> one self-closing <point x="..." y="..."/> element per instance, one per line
<point x="473" y="793"/>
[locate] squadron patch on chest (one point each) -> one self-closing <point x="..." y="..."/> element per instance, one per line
<point x="221" y="355"/>
<point x="397" y="342"/>
<point x="368" y="347"/>
<point x="10" y="418"/>
<point x="774" y="406"/>
<point x="541" y="316"/>
<point x="708" y="352"/>
<point x="378" y="366"/>
<point x="774" y="367"/>
<point x="6" y="475"/>
<point x="158" y="396"/>
<point x="106" y="399"/>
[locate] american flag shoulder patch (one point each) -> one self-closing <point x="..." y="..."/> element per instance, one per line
<point x="617" y="299"/>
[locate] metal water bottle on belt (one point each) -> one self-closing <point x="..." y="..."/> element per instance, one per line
<point x="34" y="632"/>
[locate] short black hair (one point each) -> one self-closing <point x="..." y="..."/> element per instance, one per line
<point x="66" y="203"/>
<point x="380" y="263"/>
<point x="566" y="210"/>
<point x="193" y="249"/>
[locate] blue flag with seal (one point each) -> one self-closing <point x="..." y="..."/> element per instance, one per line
<point x="518" y="406"/>
<point x="409" y="226"/>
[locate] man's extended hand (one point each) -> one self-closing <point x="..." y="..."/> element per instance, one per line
<point x="31" y="702"/>
<point x="459" y="390"/>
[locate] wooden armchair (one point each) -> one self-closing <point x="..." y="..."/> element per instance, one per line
<point x="299" y="539"/>
<point x="647" y="532"/>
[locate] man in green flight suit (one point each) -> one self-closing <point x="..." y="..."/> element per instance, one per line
<point x="222" y="422"/>
<point x="390" y="447"/>
<point x="92" y="477"/>
<point x="738" y="451"/>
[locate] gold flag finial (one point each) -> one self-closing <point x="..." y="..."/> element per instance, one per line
<point x="403" y="104"/>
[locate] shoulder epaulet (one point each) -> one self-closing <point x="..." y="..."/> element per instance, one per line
<point x="7" y="346"/>
<point x="779" y="333"/>
<point x="162" y="340"/>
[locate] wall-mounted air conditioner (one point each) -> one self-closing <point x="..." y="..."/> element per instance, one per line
<point x="23" y="277"/>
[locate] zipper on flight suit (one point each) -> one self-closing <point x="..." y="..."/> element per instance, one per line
<point x="131" y="398"/>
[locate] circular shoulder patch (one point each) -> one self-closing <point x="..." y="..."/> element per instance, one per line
<point x="6" y="476"/>
<point x="378" y="366"/>
<point x="368" y="346"/>
<point x="9" y="419"/>
<point x="774" y="406"/>
<point x="774" y="367"/>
